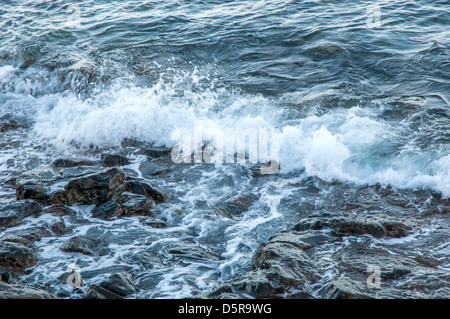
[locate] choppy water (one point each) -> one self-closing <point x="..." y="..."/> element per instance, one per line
<point x="361" y="103"/>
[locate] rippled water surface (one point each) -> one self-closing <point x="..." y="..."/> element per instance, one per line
<point x="358" y="89"/>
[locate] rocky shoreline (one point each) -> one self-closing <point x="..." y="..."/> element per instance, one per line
<point x="325" y="255"/>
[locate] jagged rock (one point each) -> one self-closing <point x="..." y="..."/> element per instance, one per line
<point x="16" y="257"/>
<point x="8" y="291"/>
<point x="94" y="188"/>
<point x="111" y="160"/>
<point x="72" y="162"/>
<point x="121" y="284"/>
<point x="84" y="245"/>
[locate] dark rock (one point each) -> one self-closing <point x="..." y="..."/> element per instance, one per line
<point x="148" y="190"/>
<point x="8" y="291"/>
<point x="94" y="188"/>
<point x="60" y="210"/>
<point x="107" y="210"/>
<point x="10" y="126"/>
<point x="193" y="251"/>
<point x="155" y="223"/>
<point x="111" y="160"/>
<point x="13" y="212"/>
<point x="149" y="169"/>
<point x="34" y="184"/>
<point x="16" y="257"/>
<point x="346" y="288"/>
<point x="82" y="244"/>
<point x="376" y="225"/>
<point x="72" y="162"/>
<point x="121" y="284"/>
<point x="96" y="292"/>
<point x="58" y="228"/>
<point x="27" y="236"/>
<point x="133" y="204"/>
<point x="157" y="152"/>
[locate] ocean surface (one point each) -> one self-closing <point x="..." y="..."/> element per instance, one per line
<point x="359" y="90"/>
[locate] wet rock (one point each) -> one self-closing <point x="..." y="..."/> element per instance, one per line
<point x="107" y="210"/>
<point x="157" y="152"/>
<point x="111" y="160"/>
<point x="83" y="245"/>
<point x="16" y="257"/>
<point x="13" y="212"/>
<point x="133" y="204"/>
<point x="121" y="284"/>
<point x="11" y="125"/>
<point x="155" y="223"/>
<point x="191" y="251"/>
<point x="34" y="184"/>
<point x="346" y="288"/>
<point x="72" y="162"/>
<point x="236" y="206"/>
<point x="378" y="226"/>
<point x="257" y="284"/>
<point x="8" y="291"/>
<point x="96" y="292"/>
<point x="94" y="188"/>
<point x="149" y="169"/>
<point x="58" y="228"/>
<point x="148" y="190"/>
<point x="27" y="236"/>
<point x="60" y="210"/>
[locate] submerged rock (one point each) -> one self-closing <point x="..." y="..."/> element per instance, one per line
<point x="149" y="169"/>
<point x="134" y="204"/>
<point x="8" y="291"/>
<point x="96" y="292"/>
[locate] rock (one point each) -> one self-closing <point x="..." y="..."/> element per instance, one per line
<point x="155" y="223"/>
<point x="94" y="188"/>
<point x="26" y="236"/>
<point x="345" y="288"/>
<point x="378" y="226"/>
<point x="157" y="152"/>
<point x="8" y="291"/>
<point x="133" y="204"/>
<point x="237" y="205"/>
<point x="96" y="292"/>
<point x="72" y="162"/>
<point x="188" y="250"/>
<point x="149" y="169"/>
<point x="148" y="190"/>
<point x="16" y="257"/>
<point x="58" y="228"/>
<point x="83" y="245"/>
<point x="11" y="125"/>
<point x="121" y="284"/>
<point x="34" y="184"/>
<point x="60" y="210"/>
<point x="107" y="210"/>
<point x="13" y="212"/>
<point x="111" y="160"/>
